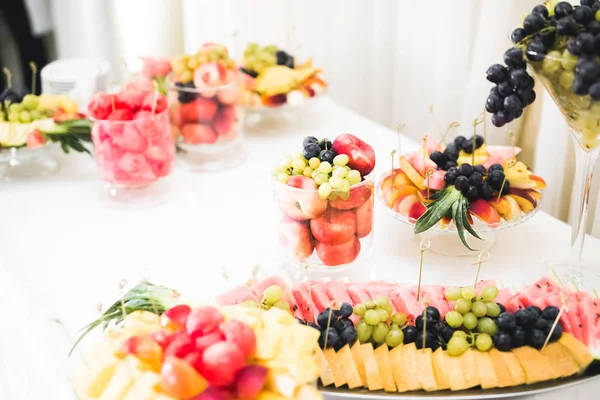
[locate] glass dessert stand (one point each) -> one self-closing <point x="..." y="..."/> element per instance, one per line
<point x="26" y="163"/>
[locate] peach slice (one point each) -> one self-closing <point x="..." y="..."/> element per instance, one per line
<point x="400" y="178"/>
<point x="395" y="179"/>
<point x="521" y="183"/>
<point x="484" y="211"/>
<point x="525" y="205"/>
<point x="405" y="205"/>
<point x="415" y="211"/>
<point x="393" y="195"/>
<point x="412" y="174"/>
<point x="540" y="183"/>
<point x="507" y="207"/>
<point x="445" y="222"/>
<point x="424" y="196"/>
<point x="537" y="196"/>
<point x="387" y="182"/>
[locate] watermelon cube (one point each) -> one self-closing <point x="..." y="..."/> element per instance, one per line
<point x="304" y="302"/>
<point x="100" y="106"/>
<point x="237" y="295"/>
<point x="133" y="169"/>
<point x="130" y="139"/>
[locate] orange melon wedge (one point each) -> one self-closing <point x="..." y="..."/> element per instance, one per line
<point x="426" y="373"/>
<point x="381" y="357"/>
<point x="374" y="381"/>
<point x="409" y="359"/>
<point x="560" y="359"/>
<point x="360" y="366"/>
<point x="344" y="356"/>
<point x="397" y="367"/>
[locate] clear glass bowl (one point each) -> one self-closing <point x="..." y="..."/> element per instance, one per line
<point x="208" y="126"/>
<point x="133" y="157"/>
<point x="18" y="163"/>
<point x="320" y="238"/>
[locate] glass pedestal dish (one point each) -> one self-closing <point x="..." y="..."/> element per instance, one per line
<point x="25" y="163"/>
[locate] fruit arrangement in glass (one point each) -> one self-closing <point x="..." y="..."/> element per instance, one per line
<point x="325" y="198"/>
<point x="273" y="78"/>
<point x="437" y="186"/>
<point x="133" y="141"/>
<point x="204" y="94"/>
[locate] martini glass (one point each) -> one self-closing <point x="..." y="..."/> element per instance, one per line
<point x="582" y="115"/>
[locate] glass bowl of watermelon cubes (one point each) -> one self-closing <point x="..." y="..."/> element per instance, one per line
<point x="134" y="146"/>
<point x="465" y="188"/>
<point x="325" y="199"/>
<point x="204" y="95"/>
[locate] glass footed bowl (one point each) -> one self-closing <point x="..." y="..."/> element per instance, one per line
<point x="26" y="163"/>
<point x="445" y="240"/>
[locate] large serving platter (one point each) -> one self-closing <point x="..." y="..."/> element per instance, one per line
<point x="591" y="375"/>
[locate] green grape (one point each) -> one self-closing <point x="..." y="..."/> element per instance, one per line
<point x="315" y="173"/>
<point x="371" y="317"/>
<point x="30" y="102"/>
<point x="299" y="164"/>
<point x="354" y="177"/>
<point x="370" y="305"/>
<point x="282" y="177"/>
<point x="479" y="309"/>
<point x="320" y="178"/>
<point x="568" y="61"/>
<point x="597" y="15"/>
<point x="340" y="172"/>
<point x="552" y="62"/>
<point x="307" y="172"/>
<point x="13" y="116"/>
<point x="345" y="187"/>
<point x="341" y="160"/>
<point x="15" y="107"/>
<point x="489" y="293"/>
<point x="389" y="309"/>
<point x="272" y="294"/>
<point x="381" y="302"/>
<point x="283" y="305"/>
<point x="359" y="309"/>
<point x="383" y="315"/>
<point x="399" y="319"/>
<point x="453" y="293"/>
<point x="314" y="163"/>
<point x="380" y="332"/>
<point x="288" y="162"/>
<point x="463" y="306"/>
<point x="487" y="325"/>
<point x="325" y="190"/>
<point x="25" y="117"/>
<point x="364" y="331"/>
<point x="325" y="167"/>
<point x="460" y="334"/>
<point x="394" y="327"/>
<point x="335" y="182"/>
<point x="457" y="346"/>
<point x="483" y="342"/>
<point x="36" y="114"/>
<point x="343" y="194"/>
<point x="2" y="116"/>
<point x="468" y="292"/>
<point x="395" y="337"/>
<point x="493" y="309"/>
<point x="469" y="320"/>
<point x="454" y="319"/>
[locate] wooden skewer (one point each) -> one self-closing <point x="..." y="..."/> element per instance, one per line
<point x="392" y="173"/>
<point x="424" y="149"/>
<point x="33" y="67"/>
<point x="484" y="125"/>
<point x="422" y="247"/>
<point x="399" y="129"/>
<point x="425" y="302"/>
<point x="442" y="143"/>
<point x="8" y="75"/>
<point x="427" y="175"/>
<point x="480" y="261"/>
<point x="560" y="312"/>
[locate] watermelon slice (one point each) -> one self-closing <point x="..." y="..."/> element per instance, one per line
<point x="304" y="302"/>
<point x="404" y="299"/>
<point x="436" y="180"/>
<point x="500" y="154"/>
<point x="258" y="288"/>
<point x="503" y="295"/>
<point x="339" y="292"/>
<point x="237" y="295"/>
<point x="590" y="321"/>
<point x="436" y="298"/>
<point x="431" y="143"/>
<point x="358" y="294"/>
<point x="513" y="304"/>
<point x="420" y="162"/>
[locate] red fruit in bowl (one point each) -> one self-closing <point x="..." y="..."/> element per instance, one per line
<point x="358" y="196"/>
<point x="334" y="227"/>
<point x="152" y="98"/>
<point x="364" y="219"/>
<point x="205" y="341"/>
<point x="198" y="134"/>
<point x="123" y="114"/>
<point x="143" y="347"/>
<point x="130" y="99"/>
<point x="178" y="314"/>
<point x="209" y="75"/>
<point x="241" y="334"/>
<point x="180" y="380"/>
<point x="212" y="393"/>
<point x="199" y="110"/>
<point x="180" y="345"/>
<point x="221" y="362"/>
<point x="130" y="139"/>
<point x="250" y="381"/>
<point x="295" y="237"/>
<point x="362" y="156"/>
<point x="225" y="122"/>
<point x="100" y="106"/>
<point x="35" y="139"/>
<point x="302" y="204"/>
<point x="338" y="254"/>
<point x="204" y="319"/>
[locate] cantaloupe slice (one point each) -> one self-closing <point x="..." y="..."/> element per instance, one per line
<point x="382" y="357"/>
<point x="426" y="374"/>
<point x="337" y="369"/>
<point x="503" y="375"/>
<point x="360" y="366"/>
<point x="514" y="367"/>
<point x="467" y="363"/>
<point x="455" y="374"/>
<point x="344" y="356"/>
<point x="409" y="360"/>
<point x="397" y="367"/>
<point x="374" y="381"/>
<point x="534" y="364"/>
<point x="441" y="375"/>
<point x="580" y="353"/>
<point x="326" y="373"/>
<point x="485" y="369"/>
<point x="412" y="173"/>
<point x="560" y="360"/>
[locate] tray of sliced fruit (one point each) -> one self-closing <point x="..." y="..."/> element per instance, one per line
<point x="273" y="78"/>
<point x="269" y="339"/>
<point x="464" y="186"/>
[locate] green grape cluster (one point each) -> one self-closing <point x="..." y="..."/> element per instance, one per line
<point x="379" y="324"/>
<point x="24" y="112"/>
<point x="272" y="297"/>
<point x="473" y="316"/>
<point x="259" y="58"/>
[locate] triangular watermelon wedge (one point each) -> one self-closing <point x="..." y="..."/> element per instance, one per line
<point x="436" y="180"/>
<point x="590" y="321"/>
<point x="420" y="162"/>
<point x="500" y="154"/>
<point x="431" y="144"/>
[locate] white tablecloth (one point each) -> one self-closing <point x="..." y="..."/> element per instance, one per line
<point x="63" y="251"/>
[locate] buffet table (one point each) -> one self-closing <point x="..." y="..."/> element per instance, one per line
<point x="63" y="251"/>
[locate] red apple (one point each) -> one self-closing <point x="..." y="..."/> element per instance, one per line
<point x="339" y="254"/>
<point x="358" y="195"/>
<point x="362" y="156"/>
<point x="296" y="239"/>
<point x="364" y="219"/>
<point x="300" y="200"/>
<point x="334" y="227"/>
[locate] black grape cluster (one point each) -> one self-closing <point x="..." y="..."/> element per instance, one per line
<point x="437" y="332"/>
<point x="529" y="326"/>
<point x="337" y="330"/>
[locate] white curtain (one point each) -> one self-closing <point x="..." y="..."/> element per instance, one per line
<point x="388" y="60"/>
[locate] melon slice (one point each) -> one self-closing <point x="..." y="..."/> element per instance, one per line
<point x="382" y="358"/>
<point x="305" y="304"/>
<point x="580" y="353"/>
<point x="560" y="359"/>
<point x="514" y="367"/>
<point x="590" y="323"/>
<point x="485" y="370"/>
<point x="360" y="366"/>
<point x="409" y="360"/>
<point x="500" y="154"/>
<point x="426" y="373"/>
<point x="344" y="356"/>
<point x="414" y="176"/>
<point x="337" y="368"/>
<point x="327" y="377"/>
<point x="455" y="375"/>
<point x="503" y="374"/>
<point x="397" y="366"/>
<point x="374" y="381"/>
<point x="534" y="364"/>
<point x="469" y="369"/>
<point x="439" y="368"/>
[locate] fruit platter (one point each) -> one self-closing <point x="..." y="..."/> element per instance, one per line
<point x="325" y="195"/>
<point x="269" y="339"/>
<point x="273" y="78"/>
<point x="462" y="187"/>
